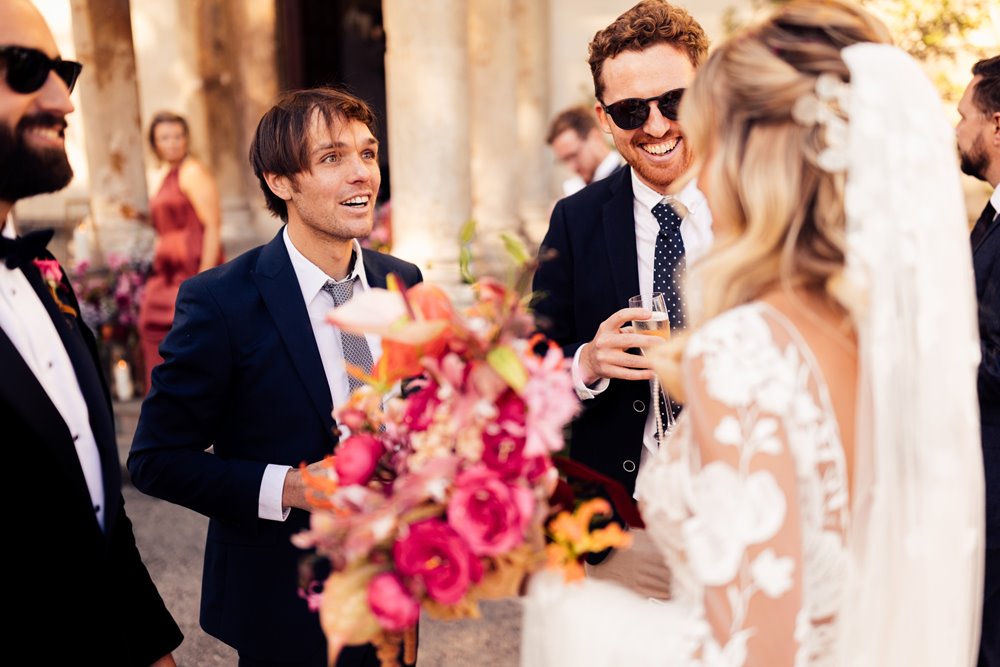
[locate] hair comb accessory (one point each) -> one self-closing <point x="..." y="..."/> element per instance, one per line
<point x="826" y="107"/>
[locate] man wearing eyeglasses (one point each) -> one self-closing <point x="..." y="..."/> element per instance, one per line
<point x="621" y="237"/>
<point x="78" y="591"/>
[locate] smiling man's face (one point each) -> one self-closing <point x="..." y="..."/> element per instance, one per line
<point x="656" y="150"/>
<point x="32" y="143"/>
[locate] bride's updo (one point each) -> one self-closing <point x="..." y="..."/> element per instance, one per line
<point x="765" y="118"/>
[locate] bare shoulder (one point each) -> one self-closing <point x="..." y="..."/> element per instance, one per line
<point x="193" y="172"/>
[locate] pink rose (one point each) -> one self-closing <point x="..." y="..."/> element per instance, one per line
<point x="490" y="515"/>
<point x="435" y="554"/>
<point x="49" y="268"/>
<point x="357" y="457"/>
<point x="420" y="407"/>
<point x="503" y="439"/>
<point x="392" y="604"/>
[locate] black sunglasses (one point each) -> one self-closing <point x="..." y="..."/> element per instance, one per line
<point x="28" y="69"/>
<point x="631" y="113"/>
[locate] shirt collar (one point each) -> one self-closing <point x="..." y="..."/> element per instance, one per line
<point x="312" y="278"/>
<point x="8" y="229"/>
<point x="690" y="196"/>
<point x="995" y="198"/>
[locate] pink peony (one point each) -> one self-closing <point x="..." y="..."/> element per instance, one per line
<point x="435" y="554"/>
<point x="392" y="604"/>
<point x="420" y="407"/>
<point x="503" y="439"/>
<point x="356" y="460"/>
<point x="489" y="514"/>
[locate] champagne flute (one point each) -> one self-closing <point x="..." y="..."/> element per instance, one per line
<point x="657" y="325"/>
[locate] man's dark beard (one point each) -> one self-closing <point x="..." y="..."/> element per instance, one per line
<point x="975" y="162"/>
<point x="27" y="171"/>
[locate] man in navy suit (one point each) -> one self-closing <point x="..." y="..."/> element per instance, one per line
<point x="252" y="369"/>
<point x="978" y="136"/>
<point x="611" y="239"/>
<point x="77" y="590"/>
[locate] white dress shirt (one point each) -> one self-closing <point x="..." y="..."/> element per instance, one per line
<point x="318" y="303"/>
<point x="696" y="232"/>
<point x="26" y="322"/>
<point x="995" y="200"/>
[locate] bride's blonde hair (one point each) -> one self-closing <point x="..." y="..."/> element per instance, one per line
<point x="763" y="180"/>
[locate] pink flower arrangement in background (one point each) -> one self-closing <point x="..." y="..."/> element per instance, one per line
<point x="439" y="499"/>
<point x="110" y="296"/>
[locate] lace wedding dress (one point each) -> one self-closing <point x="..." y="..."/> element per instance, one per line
<point x="757" y="534"/>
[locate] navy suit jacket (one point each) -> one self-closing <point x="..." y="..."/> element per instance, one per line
<point x="76" y="593"/>
<point x="242" y="372"/>
<point x="986" y="263"/>
<point x="593" y="273"/>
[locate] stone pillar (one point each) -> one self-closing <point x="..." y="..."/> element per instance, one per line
<point x="495" y="159"/>
<point x="428" y="118"/>
<point x="102" y="31"/>
<point x="535" y="159"/>
<point x="236" y="62"/>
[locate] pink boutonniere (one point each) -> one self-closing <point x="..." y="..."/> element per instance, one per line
<point x="53" y="276"/>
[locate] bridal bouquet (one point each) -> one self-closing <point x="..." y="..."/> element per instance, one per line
<point x="439" y="500"/>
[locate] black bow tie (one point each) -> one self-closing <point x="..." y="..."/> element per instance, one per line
<point x="18" y="251"/>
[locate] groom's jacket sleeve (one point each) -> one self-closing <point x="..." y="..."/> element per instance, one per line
<point x="553" y="285"/>
<point x="181" y="417"/>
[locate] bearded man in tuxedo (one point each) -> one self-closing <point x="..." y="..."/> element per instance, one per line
<point x="78" y="589"/>
<point x="978" y="135"/>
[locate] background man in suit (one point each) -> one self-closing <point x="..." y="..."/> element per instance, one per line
<point x="577" y="142"/>
<point x="614" y="239"/>
<point x="78" y="590"/>
<point x="978" y="135"/>
<point x="251" y="367"/>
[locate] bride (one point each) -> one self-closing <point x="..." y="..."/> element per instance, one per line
<point x="822" y="500"/>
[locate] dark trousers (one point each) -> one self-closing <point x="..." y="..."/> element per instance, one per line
<point x="351" y="656"/>
<point x="989" y="645"/>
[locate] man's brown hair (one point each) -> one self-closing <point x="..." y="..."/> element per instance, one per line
<point x="281" y="143"/>
<point x="986" y="97"/>
<point x="648" y="23"/>
<point x="579" y="119"/>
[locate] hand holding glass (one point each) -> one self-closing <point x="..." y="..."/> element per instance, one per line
<point x="657" y="325"/>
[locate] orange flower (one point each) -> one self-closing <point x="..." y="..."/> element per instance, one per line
<point x="572" y="537"/>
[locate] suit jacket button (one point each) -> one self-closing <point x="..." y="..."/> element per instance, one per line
<point x="628" y="465"/>
<point x="639" y="406"/>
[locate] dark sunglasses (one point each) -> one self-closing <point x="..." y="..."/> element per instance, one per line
<point x="28" y="69"/>
<point x="631" y="113"/>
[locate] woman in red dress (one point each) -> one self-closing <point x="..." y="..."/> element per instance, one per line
<point x="186" y="213"/>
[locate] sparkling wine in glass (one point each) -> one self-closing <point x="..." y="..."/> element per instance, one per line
<point x="657" y="325"/>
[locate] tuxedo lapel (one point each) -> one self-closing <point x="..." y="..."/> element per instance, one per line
<point x="92" y="387"/>
<point x="619" y="232"/>
<point x="279" y="288"/>
<point x="20" y="389"/>
<point x="990" y="231"/>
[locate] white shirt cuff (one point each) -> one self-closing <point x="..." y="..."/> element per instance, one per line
<point x="583" y="391"/>
<point x="269" y="500"/>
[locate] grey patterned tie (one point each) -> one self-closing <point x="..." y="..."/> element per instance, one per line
<point x="356" y="351"/>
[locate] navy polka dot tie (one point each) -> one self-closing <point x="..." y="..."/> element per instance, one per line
<point x="668" y="270"/>
<point x="356" y="350"/>
<point x="668" y="262"/>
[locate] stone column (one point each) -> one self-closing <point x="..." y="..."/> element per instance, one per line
<point x="428" y="116"/>
<point x="236" y="62"/>
<point x="102" y="31"/>
<point x="495" y="164"/>
<point x="535" y="159"/>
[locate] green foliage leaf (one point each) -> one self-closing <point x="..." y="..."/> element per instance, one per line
<point x="504" y="360"/>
